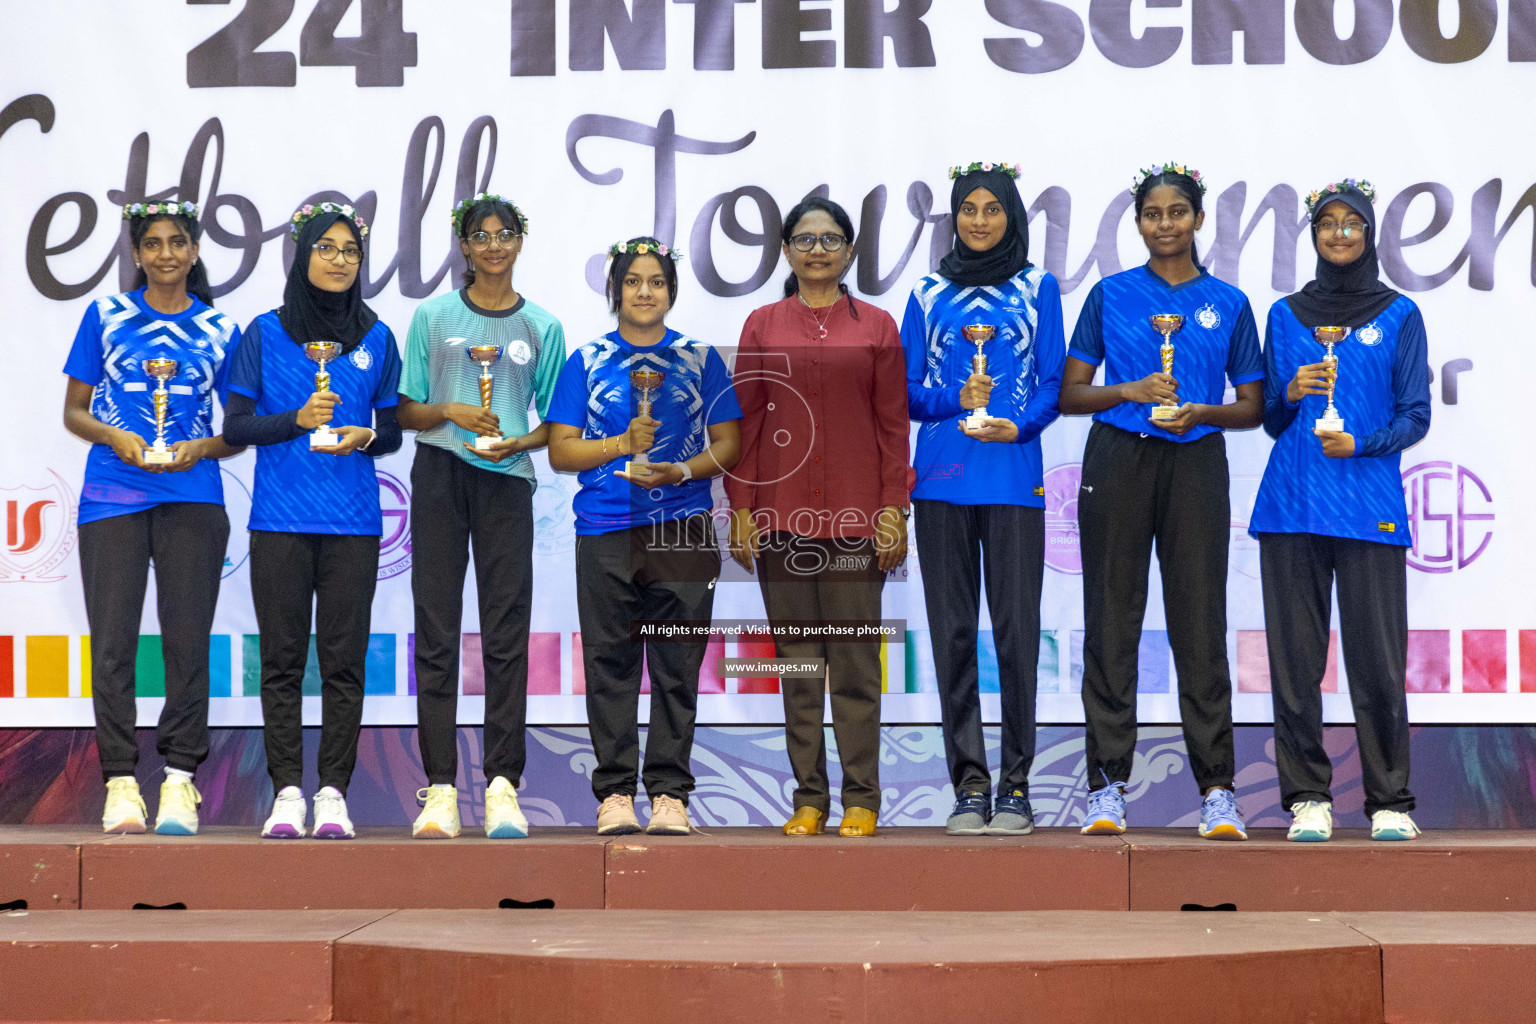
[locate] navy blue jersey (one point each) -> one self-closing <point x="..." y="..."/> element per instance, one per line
<point x="1218" y="342"/>
<point x="1024" y="360"/>
<point x="594" y="393"/>
<point x="116" y="335"/>
<point x="297" y="490"/>
<point x="1383" y="395"/>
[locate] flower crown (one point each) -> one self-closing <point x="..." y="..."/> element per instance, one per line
<point x="956" y="172"/>
<point x="642" y="249"/>
<point x="463" y="205"/>
<point x="1157" y="169"/>
<point x="1333" y="188"/>
<point x="308" y="211"/>
<point x="132" y="210"/>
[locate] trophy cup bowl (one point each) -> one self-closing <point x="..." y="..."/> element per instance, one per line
<point x="162" y="370"/>
<point x="1166" y="324"/>
<point x="978" y="335"/>
<point x="486" y="356"/>
<point x="1329" y="337"/>
<point x="647" y="383"/>
<point x="323" y="352"/>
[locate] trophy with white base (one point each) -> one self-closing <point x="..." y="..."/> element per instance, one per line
<point x="647" y="383"/>
<point x="323" y="352"/>
<point x="1166" y="324"/>
<point x="978" y="335"/>
<point x="486" y="356"/>
<point x="159" y="453"/>
<point x="1329" y="337"/>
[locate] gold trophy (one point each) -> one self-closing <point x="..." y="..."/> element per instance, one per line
<point x="323" y="352"/>
<point x="978" y="335"/>
<point x="647" y="382"/>
<point x="1329" y="337"/>
<point x="1166" y="324"/>
<point x="486" y="356"/>
<point x="159" y="454"/>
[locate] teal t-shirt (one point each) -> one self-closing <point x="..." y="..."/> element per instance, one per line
<point x="437" y="368"/>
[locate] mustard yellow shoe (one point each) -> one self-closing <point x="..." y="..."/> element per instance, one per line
<point x="857" y="821"/>
<point x="806" y="821"/>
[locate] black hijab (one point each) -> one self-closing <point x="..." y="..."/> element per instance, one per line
<point x="968" y="268"/>
<point x="310" y="314"/>
<point x="1351" y="295"/>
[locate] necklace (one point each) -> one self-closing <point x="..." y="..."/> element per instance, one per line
<point x="821" y="321"/>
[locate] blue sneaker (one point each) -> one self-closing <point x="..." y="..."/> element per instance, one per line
<point x="1106" y="811"/>
<point x="1011" y="816"/>
<point x="969" y="818"/>
<point x="1218" y="816"/>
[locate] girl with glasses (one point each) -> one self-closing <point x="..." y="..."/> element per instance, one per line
<point x="315" y="517"/>
<point x="819" y="501"/>
<point x="1331" y="511"/>
<point x="472" y="486"/>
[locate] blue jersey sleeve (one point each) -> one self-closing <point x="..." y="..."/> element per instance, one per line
<point x="1050" y="358"/>
<point x="1410" y="391"/>
<point x="1278" y="411"/>
<point x="924" y="404"/>
<point x="1088" y="335"/>
<point x="719" y="396"/>
<point x="221" y="375"/>
<point x="244" y="377"/>
<point x="569" y="404"/>
<point x="85" y="355"/>
<point x="1245" y="363"/>
<point x="387" y="394"/>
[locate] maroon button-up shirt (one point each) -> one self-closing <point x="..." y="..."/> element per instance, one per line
<point x="824" y="427"/>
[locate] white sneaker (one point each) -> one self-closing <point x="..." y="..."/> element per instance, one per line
<point x="439" y="819"/>
<point x="179" y="800"/>
<point x="125" y="813"/>
<point x="1393" y="825"/>
<point x="287" y="818"/>
<point x="504" y="819"/>
<point x="331" y="821"/>
<point x="1311" y="822"/>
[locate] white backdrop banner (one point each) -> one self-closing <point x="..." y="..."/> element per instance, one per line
<point x="701" y="121"/>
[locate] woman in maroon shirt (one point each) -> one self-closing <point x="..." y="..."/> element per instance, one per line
<point x="819" y="500"/>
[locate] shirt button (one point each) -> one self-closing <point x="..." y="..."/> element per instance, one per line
<point x="817" y="493"/>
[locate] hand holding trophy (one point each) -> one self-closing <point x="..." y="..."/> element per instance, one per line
<point x="486" y="356"/>
<point x="647" y="383"/>
<point x="162" y="370"/>
<point x="323" y="352"/>
<point x="978" y="335"/>
<point x="1329" y="337"/>
<point x="1166" y="324"/>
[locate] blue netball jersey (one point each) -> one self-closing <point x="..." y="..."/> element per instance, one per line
<point x="1383" y="395"/>
<point x="1218" y="342"/>
<point x="297" y="490"/>
<point x="595" y="394"/>
<point x="1024" y="360"/>
<point x="117" y="334"/>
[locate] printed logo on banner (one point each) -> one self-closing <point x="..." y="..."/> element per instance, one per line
<point x="395" y="542"/>
<point x="1207" y="317"/>
<point x="554" y="521"/>
<point x="361" y="359"/>
<point x="1370" y="334"/>
<point x="1450" y="514"/>
<point x="237" y="505"/>
<point x="1062" y="551"/>
<point x="39" y="531"/>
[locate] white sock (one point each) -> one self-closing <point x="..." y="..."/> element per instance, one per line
<point x="444" y="785"/>
<point x="171" y="773"/>
<point x="125" y="775"/>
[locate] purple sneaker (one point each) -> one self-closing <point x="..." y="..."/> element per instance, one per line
<point x="287" y="818"/>
<point x="331" y="821"/>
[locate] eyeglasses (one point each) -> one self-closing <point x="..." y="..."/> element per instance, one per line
<point x="830" y="241"/>
<point x="481" y="240"/>
<point x="328" y="252"/>
<point x="1327" y="226"/>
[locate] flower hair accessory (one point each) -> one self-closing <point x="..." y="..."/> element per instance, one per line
<point x="644" y="249"/>
<point x="956" y="172"/>
<point x="132" y="210"/>
<point x="309" y="210"/>
<point x="1336" y="188"/>
<point x="1157" y="169"/>
<point x="463" y="207"/>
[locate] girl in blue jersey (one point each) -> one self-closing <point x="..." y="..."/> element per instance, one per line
<point x="1149" y="480"/>
<point x="315" y="518"/>
<point x="1330" y="510"/>
<point x="134" y="513"/>
<point x="980" y="489"/>
<point x="646" y="552"/>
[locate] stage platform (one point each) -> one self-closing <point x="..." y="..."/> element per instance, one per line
<point x="759" y="869"/>
<point x="683" y="967"/>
